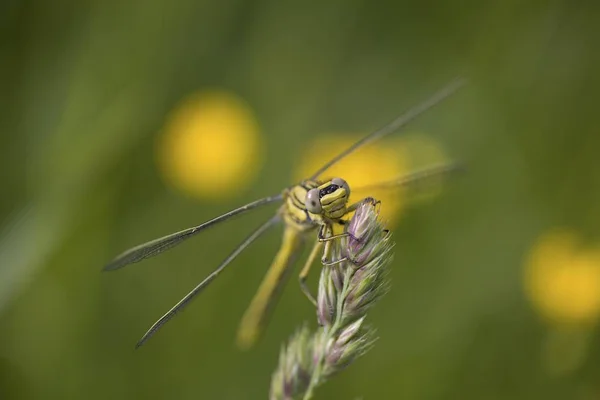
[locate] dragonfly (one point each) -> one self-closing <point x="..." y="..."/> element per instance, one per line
<point x="312" y="205"/>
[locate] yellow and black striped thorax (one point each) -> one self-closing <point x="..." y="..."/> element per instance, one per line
<point x="294" y="210"/>
<point x="332" y="198"/>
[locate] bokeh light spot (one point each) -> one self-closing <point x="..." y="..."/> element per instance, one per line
<point x="211" y="145"/>
<point x="562" y="279"/>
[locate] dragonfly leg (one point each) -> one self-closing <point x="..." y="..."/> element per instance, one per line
<point x="306" y="269"/>
<point x="335" y="262"/>
<point x="325" y="260"/>
<point x="354" y="206"/>
<point x="323" y="238"/>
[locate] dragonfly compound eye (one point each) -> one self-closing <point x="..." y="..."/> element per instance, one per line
<point x="341" y="183"/>
<point x="313" y="201"/>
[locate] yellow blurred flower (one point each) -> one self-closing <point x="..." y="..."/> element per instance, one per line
<point x="210" y="146"/>
<point x="562" y="279"/>
<point x="378" y="162"/>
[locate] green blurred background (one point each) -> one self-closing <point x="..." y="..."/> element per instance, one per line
<point x="86" y="88"/>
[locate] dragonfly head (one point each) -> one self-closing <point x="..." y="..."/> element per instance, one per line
<point x="328" y="200"/>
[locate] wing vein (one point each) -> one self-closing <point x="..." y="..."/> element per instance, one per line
<point x="396" y="124"/>
<point x="157" y="246"/>
<point x="194" y="292"/>
<point x="416" y="176"/>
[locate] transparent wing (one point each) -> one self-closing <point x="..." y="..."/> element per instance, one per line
<point x="192" y="294"/>
<point x="157" y="246"/>
<point x="438" y="170"/>
<point x="396" y="124"/>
